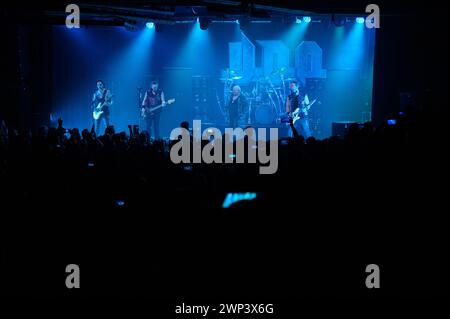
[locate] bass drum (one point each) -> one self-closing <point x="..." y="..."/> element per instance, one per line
<point x="265" y="114"/>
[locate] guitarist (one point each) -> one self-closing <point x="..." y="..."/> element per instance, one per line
<point x="297" y="100"/>
<point x="152" y="98"/>
<point x="102" y="99"/>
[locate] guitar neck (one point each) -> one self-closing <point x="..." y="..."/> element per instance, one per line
<point x="151" y="109"/>
<point x="156" y="107"/>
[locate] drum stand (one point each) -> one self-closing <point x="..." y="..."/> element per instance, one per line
<point x="222" y="112"/>
<point x="273" y="103"/>
<point x="250" y="112"/>
<point x="284" y="93"/>
<point x="277" y="111"/>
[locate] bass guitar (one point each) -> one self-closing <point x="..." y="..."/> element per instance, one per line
<point x="148" y="111"/>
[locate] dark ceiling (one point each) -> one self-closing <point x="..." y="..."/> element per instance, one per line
<point x="170" y="11"/>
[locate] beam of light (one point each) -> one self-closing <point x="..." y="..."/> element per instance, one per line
<point x="354" y="43"/>
<point x="135" y="58"/>
<point x="339" y="48"/>
<point x="307" y="19"/>
<point x="233" y="198"/>
<point x="349" y="47"/>
<point x="338" y="37"/>
<point x="67" y="104"/>
<point x="359" y="20"/>
<point x="149" y="25"/>
<point x="197" y="44"/>
<point x="127" y="70"/>
<point x="122" y="64"/>
<point x="295" y="34"/>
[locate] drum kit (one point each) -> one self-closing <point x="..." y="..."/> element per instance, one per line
<point x="266" y="96"/>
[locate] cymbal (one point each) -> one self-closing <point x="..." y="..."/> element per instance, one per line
<point x="280" y="71"/>
<point x="231" y="78"/>
<point x="230" y="71"/>
<point x="289" y="79"/>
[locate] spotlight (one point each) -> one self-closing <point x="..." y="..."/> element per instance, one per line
<point x="297" y="20"/>
<point x="244" y="23"/>
<point x="338" y="20"/>
<point x="120" y="202"/>
<point x="204" y="23"/>
<point x="307" y="19"/>
<point x="359" y="20"/>
<point x="149" y="25"/>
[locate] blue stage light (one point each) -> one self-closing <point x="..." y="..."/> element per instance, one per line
<point x="232" y="198"/>
<point x="150" y="25"/>
<point x="307" y="19"/>
<point x="120" y="202"/>
<point x="359" y="20"/>
<point x="391" y="122"/>
<point x="297" y="20"/>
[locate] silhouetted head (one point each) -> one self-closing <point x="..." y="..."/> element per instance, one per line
<point x="236" y="90"/>
<point x="110" y="130"/>
<point x="100" y="84"/>
<point x="293" y="86"/>
<point x="185" y="125"/>
<point x="311" y="140"/>
<point x="143" y="137"/>
<point x="43" y="131"/>
<point x="155" y="86"/>
<point x="85" y="134"/>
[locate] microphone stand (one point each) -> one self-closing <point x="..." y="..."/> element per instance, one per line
<point x="139" y="108"/>
<point x="284" y="93"/>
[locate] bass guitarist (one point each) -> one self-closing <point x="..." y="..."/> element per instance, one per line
<point x="153" y="97"/>
<point x="101" y="101"/>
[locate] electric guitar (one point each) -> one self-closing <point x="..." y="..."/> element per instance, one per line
<point x="147" y="111"/>
<point x="98" y="110"/>
<point x="298" y="113"/>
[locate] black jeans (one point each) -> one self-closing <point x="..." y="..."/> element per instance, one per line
<point x="302" y="127"/>
<point x="153" y="123"/>
<point x="103" y="118"/>
<point x="234" y="116"/>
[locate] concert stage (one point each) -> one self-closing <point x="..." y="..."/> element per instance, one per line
<point x="105" y="175"/>
<point x="206" y="67"/>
